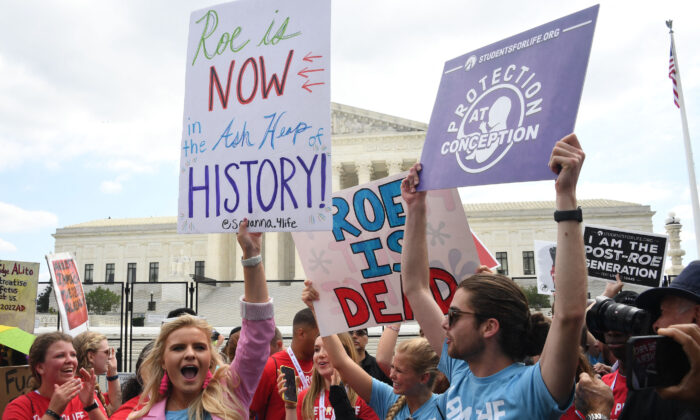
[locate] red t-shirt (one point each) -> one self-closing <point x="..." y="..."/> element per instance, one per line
<point x="362" y="410"/>
<point x="267" y="404"/>
<point x="123" y="412"/>
<point x="32" y="406"/>
<point x="618" y="383"/>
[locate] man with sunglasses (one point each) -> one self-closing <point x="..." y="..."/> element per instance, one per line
<point x="488" y="330"/>
<point x="366" y="360"/>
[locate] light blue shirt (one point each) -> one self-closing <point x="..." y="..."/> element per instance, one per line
<point x="182" y="415"/>
<point x="516" y="392"/>
<point x="383" y="398"/>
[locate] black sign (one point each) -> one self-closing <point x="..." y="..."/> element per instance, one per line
<point x="637" y="256"/>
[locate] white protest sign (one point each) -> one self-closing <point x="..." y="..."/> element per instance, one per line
<point x="256" y="132"/>
<point x="69" y="293"/>
<point x="356" y="266"/>
<point x="638" y="257"/>
<point x="545" y="256"/>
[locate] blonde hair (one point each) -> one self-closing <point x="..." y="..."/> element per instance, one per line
<point x="217" y="399"/>
<point x="422" y="359"/>
<point x="85" y="342"/>
<point x="317" y="382"/>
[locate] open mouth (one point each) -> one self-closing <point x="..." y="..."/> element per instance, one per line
<point x="189" y="372"/>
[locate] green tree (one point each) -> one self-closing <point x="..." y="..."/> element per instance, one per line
<point x="535" y="299"/>
<point x="101" y="300"/>
<point x="42" y="302"/>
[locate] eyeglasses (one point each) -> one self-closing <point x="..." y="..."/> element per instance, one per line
<point x="453" y="314"/>
<point x="359" y="333"/>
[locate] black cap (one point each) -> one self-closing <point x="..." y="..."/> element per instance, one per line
<point x="686" y="285"/>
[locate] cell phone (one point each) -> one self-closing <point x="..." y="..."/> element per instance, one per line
<point x="290" y="394"/>
<point x="654" y="361"/>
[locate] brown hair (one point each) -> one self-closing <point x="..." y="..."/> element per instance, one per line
<point x="496" y="296"/>
<point x="422" y="359"/>
<point x="37" y="353"/>
<point x="317" y="383"/>
<point x="217" y="399"/>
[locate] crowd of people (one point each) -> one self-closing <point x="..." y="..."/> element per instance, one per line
<point x="488" y="358"/>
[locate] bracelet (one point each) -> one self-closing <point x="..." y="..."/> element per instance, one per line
<point x="53" y="414"/>
<point x="90" y="407"/>
<point x="252" y="261"/>
<point x="391" y="327"/>
<point x="288" y="405"/>
<point x="112" y="378"/>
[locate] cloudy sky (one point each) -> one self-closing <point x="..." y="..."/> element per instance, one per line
<point x="91" y="100"/>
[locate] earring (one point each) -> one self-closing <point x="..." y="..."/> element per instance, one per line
<point x="207" y="380"/>
<point x="163" y="390"/>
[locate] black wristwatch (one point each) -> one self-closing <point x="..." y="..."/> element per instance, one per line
<point x="563" y="215"/>
<point x="90" y="407"/>
<point x="53" y="414"/>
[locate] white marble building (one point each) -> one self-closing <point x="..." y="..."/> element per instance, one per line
<point x="366" y="146"/>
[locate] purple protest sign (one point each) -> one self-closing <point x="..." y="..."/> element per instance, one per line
<point x="500" y="109"/>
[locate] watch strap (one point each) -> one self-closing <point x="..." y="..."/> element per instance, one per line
<point x="564" y="215"/>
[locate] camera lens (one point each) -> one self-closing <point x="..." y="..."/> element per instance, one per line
<point x="607" y="315"/>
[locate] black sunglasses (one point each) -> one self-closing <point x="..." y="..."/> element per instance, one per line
<point x="453" y="314"/>
<point x="359" y="333"/>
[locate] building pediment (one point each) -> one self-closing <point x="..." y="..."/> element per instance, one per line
<point x="350" y="120"/>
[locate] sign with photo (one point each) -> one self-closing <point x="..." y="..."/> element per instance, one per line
<point x="356" y="267"/>
<point x="256" y="130"/>
<point x="545" y="256"/>
<point x="500" y="109"/>
<point x="638" y="257"/>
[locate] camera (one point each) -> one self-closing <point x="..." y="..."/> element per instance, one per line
<point x="608" y="315"/>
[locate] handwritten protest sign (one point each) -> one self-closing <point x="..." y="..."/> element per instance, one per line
<point x="500" y="109"/>
<point x="256" y="136"/>
<point x="14" y="381"/>
<point x="18" y="283"/>
<point x="638" y="257"/>
<point x="545" y="256"/>
<point x="69" y="293"/>
<point x="356" y="267"/>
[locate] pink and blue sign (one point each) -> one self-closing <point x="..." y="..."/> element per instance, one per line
<point x="500" y="109"/>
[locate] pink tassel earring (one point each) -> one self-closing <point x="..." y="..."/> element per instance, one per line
<point x="207" y="380"/>
<point x="163" y="390"/>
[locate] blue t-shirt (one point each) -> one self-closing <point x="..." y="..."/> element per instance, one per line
<point x="182" y="415"/>
<point x="516" y="392"/>
<point x="383" y="398"/>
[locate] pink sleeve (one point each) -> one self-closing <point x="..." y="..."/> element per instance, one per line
<point x="257" y="329"/>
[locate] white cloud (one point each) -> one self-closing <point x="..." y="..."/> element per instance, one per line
<point x="16" y="219"/>
<point x="7" y="247"/>
<point x="111" y="187"/>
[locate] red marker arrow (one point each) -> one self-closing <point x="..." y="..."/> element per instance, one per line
<point x="307" y="85"/>
<point x="305" y="70"/>
<point x="310" y="58"/>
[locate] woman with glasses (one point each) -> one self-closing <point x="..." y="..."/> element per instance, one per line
<point x="93" y="352"/>
<point x="413" y="372"/>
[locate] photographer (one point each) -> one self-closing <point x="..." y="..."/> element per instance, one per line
<point x="679" y="303"/>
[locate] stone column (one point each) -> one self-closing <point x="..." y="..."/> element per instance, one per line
<point x="337" y="172"/>
<point x="271" y="255"/>
<point x="298" y="268"/>
<point x="394" y="166"/>
<point x="673" y="228"/>
<point x="364" y="172"/>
